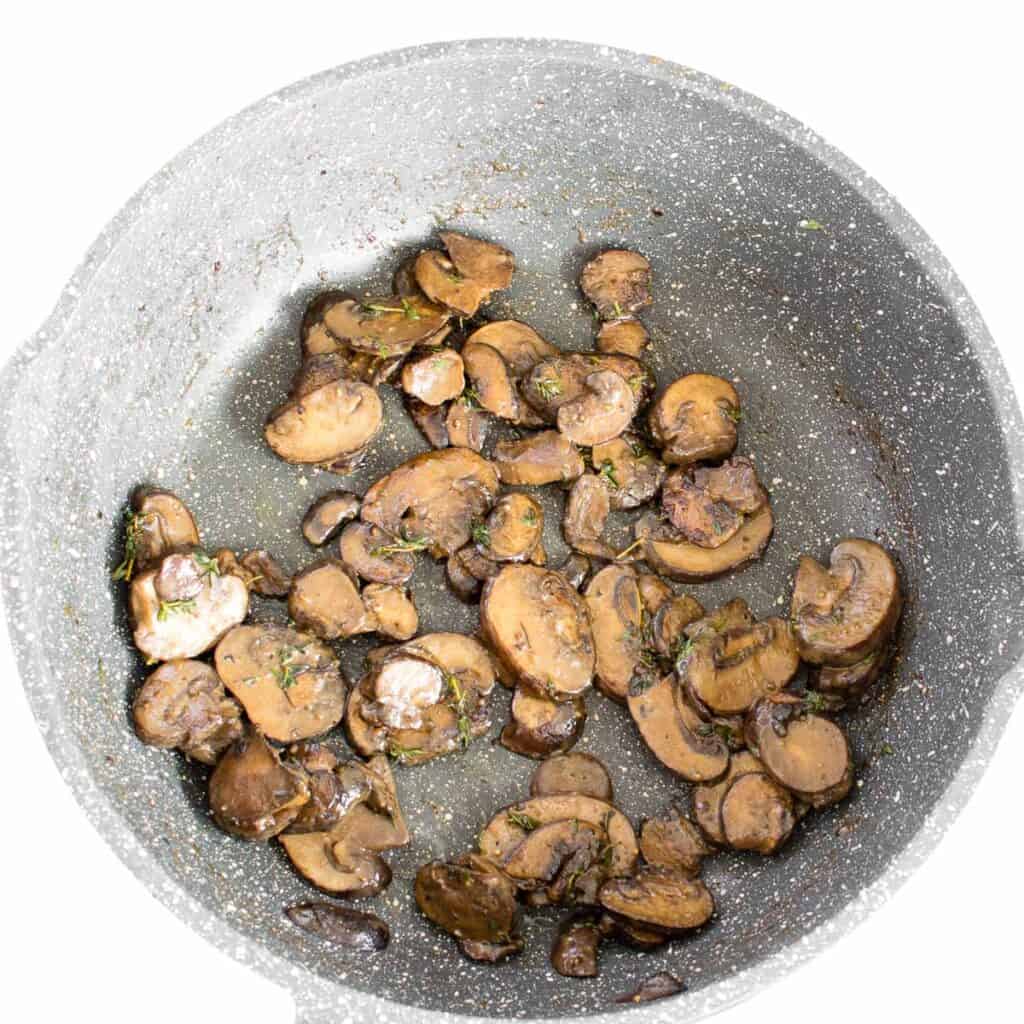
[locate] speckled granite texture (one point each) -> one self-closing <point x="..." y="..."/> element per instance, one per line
<point x="874" y="400"/>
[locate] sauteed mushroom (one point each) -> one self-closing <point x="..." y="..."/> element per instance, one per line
<point x="441" y="281"/>
<point x="576" y="569"/>
<point x="669" y="623"/>
<point x="467" y="424"/>
<point x="757" y="814"/>
<point x="484" y="262"/>
<point x="333" y="790"/>
<point x="616" y="616"/>
<point x="540" y="726"/>
<point x="601" y="412"/>
<point x="336" y="867"/>
<point x="327" y="515"/>
<point x="707" y="798"/>
<point x="467" y="570"/>
<point x="673" y="841"/>
<point x="629" y="470"/>
<point x="659" y="897"/>
<point x="430" y="420"/>
<point x="392" y="610"/>
<point x="543" y="458"/>
<point x="627" y="337"/>
<point x="375" y="555"/>
<point x="354" y="929"/>
<point x="573" y="772"/>
<point x="518" y="344"/>
<point x="695" y="419"/>
<point x="560" y="861"/>
<point x="159" y="523"/>
<point x="574" y="953"/>
<point x="654" y="591"/>
<point x="849" y="683"/>
<point x="268" y="578"/>
<point x="382" y="326"/>
<point x="512" y="529"/>
<point x="617" y="282"/>
<point x="400" y="689"/>
<point x="586" y="513"/>
<point x="563" y="379"/>
<point x="434" y="377"/>
<point x="657" y="986"/>
<point x="325" y="600"/>
<point x="491" y="381"/>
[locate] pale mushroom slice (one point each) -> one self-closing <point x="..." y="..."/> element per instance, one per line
<point x="327" y="516"/>
<point x="493" y="386"/>
<point x="335" y="867"/>
<point x="616" y="617"/>
<point x="587" y="508"/>
<point x="707" y="798"/>
<point x="400" y="689"/>
<point x="325" y="600"/>
<point x="183" y="704"/>
<point x="540" y="726"/>
<point x="266" y="577"/>
<point x="512" y="529"/>
<point x="659" y="898"/>
<point x="562" y="379"/>
<point x="806" y="753"/>
<point x="617" y="282"/>
<point x="573" y="772"/>
<point x="672" y="731"/>
<point x="392" y="610"/>
<point x="376" y="556"/>
<point x="434" y="377"/>
<point x="430" y="420"/>
<point x="467" y="424"/>
<point x="288" y="682"/>
<point x="253" y="793"/>
<point x="626" y="337"/>
<point x="843" y="613"/>
<point x="443" y="283"/>
<point x="673" y="841"/>
<point x="482" y="261"/>
<point x="695" y="419"/>
<point x="630" y="471"/>
<point x="385" y="326"/>
<point x="434" y="498"/>
<point x="544" y="458"/>
<point x="538" y="625"/>
<point x="183" y="606"/>
<point x="601" y="413"/>
<point x="518" y="344"/>
<point x="757" y="814"/>
<point x="158" y="523"/>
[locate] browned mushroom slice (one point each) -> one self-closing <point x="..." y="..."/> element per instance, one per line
<point x="229" y="565"/>
<point x="707" y="799"/>
<point x="467" y="570"/>
<point x="728" y="672"/>
<point x="538" y="625"/>
<point x="633" y="933"/>
<point x="335" y="867"/>
<point x="574" y="953"/>
<point x="670" y="621"/>
<point x="313" y="755"/>
<point x="576" y="569"/>
<point x="708" y="505"/>
<point x="437" y="496"/>
<point x="673" y="842"/>
<point x="672" y="730"/>
<point x="461" y="656"/>
<point x="384" y="326"/>
<point x="184" y="606"/>
<point x="734" y="614"/>
<point x="392" y="610"/>
<point x="376" y="556"/>
<point x="806" y="753"/>
<point x="562" y="379"/>
<point x="540" y="726"/>
<point x="253" y="794"/>
<point x="333" y="792"/>
<point x="586" y="514"/>
<point x="842" y="614"/>
<point x="507" y="829"/>
<point x="629" y="470"/>
<point x="657" y="986"/>
<point x="617" y="282"/>
<point x="183" y="704"/>
<point x="403" y="281"/>
<point x="659" y="897"/>
<point x="159" y="523"/>
<point x="695" y="419"/>
<point x="491" y="952"/>
<point x="563" y="859"/>
<point x="470" y="899"/>
<point x="757" y="814"/>
<point x="626" y="337"/>
<point x="670" y="554"/>
<point x="485" y="262"/>
<point x="491" y="380"/>
<point x="601" y="413"/>
<point x="440" y="280"/>
<point x="327" y="515"/>
<point x="268" y="579"/>
<point x="467" y="424"/>
<point x="434" y="377"/>
<point x="574" y="772"/>
<point x="616" y="617"/>
<point x="430" y="420"/>
<point x="849" y="683"/>
<point x="288" y="682"/>
<point x="400" y="689"/>
<point x="344" y="926"/>
<point x="518" y="344"/>
<point x="654" y="591"/>
<point x="512" y="529"/>
<point x="543" y="458"/>
<point x="325" y="600"/>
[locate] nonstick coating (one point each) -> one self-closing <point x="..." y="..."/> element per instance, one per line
<point x="872" y="401"/>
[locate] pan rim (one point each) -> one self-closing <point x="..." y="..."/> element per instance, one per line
<point x="316" y="998"/>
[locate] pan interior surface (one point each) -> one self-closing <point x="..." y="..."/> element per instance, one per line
<point x="865" y="407"/>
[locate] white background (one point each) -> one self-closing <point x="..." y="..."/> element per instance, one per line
<point x="96" y="98"/>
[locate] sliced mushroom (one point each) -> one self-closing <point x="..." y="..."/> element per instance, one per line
<point x="385" y="326"/>
<point x="564" y="378"/>
<point x="512" y="529"/>
<point x="375" y="555"/>
<point x="400" y="689"/>
<point x="325" y="600"/>
<point x="757" y="814"/>
<point x="518" y="344"/>
<point x="159" y="524"/>
<point x="629" y="470"/>
<point x="442" y="282"/>
<point x="672" y="555"/>
<point x="538" y="625"/>
<point x="695" y="419"/>
<point x="288" y="682"/>
<point x="492" y="382"/>
<point x="627" y="337"/>
<point x="806" y="753"/>
<point x="436" y="497"/>
<point x="709" y="505"/>
<point x="654" y="591"/>
<point x="672" y="731"/>
<point x="540" y="727"/>
<point x="430" y="420"/>
<point x="335" y="867"/>
<point x="183" y="704"/>
<point x="403" y="281"/>
<point x="467" y="570"/>
<point x="491" y="952"/>
<point x="463" y="657"/>
<point x="707" y="799"/>
<point x="253" y="793"/>
<point x="586" y="514"/>
<point x="657" y="986"/>
<point x="182" y="607"/>
<point x="616" y="617"/>
<point x="467" y="424"/>
<point x="485" y="262"/>
<point x="358" y="930"/>
<point x="267" y="578"/>
<point x="670" y="621"/>
<point x="434" y="377"/>
<point x="471" y="900"/>
<point x="849" y="683"/>
<point x="392" y="610"/>
<point x="574" y="953"/>
<point x="333" y="792"/>
<point x="617" y="282"/>
<point x="327" y="515"/>
<point x="601" y="413"/>
<point x="673" y="841"/>
<point x="842" y="614"/>
<point x="563" y="859"/>
<point x="659" y="897"/>
<point x="543" y="458"/>
<point x="633" y="933"/>
<point x="734" y="614"/>
<point x="574" y="772"/>
<point x="576" y="569"/>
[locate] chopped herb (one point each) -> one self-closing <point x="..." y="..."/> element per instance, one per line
<point x="523" y="821"/>
<point x="465" y="731"/>
<point x="406" y="309"/>
<point x="132" y="528"/>
<point x="402" y="754"/>
<point x="618" y="311"/>
<point x="636" y="382"/>
<point x="168" y="608"/>
<point x="632" y="547"/>
<point x="886" y="750"/>
<point x="810" y="225"/>
<point x="681" y="652"/>
<point x="639" y="451"/>
<point x="458" y="704"/>
<point x="284" y="672"/>
<point x="734" y="414"/>
<point x="548" y="388"/>
<point x="607" y="472"/>
<point x="207" y="565"/>
<point x="404" y="543"/>
<point x="481" y="534"/>
<point x="471" y="397"/>
<point x="815" y="702"/>
<point x="530" y="517"/>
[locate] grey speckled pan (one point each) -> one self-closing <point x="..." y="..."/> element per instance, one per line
<point x="875" y="404"/>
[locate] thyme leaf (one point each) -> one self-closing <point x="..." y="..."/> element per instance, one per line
<point x="168" y="608"/>
<point x="523" y="821"/>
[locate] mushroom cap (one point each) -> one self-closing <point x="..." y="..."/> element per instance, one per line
<point x="544" y="458"/>
<point x="617" y="282"/>
<point x="434" y="377"/>
<point x="660" y="898"/>
<point x="572" y="772"/>
<point x="327" y="515"/>
<point x="325" y="600"/>
<point x="616" y="615"/>
<point x="602" y="412"/>
<point x="518" y="343"/>
<point x="694" y="419"/>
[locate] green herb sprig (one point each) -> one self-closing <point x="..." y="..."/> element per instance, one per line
<point x="169" y="608"/>
<point x="523" y="821"/>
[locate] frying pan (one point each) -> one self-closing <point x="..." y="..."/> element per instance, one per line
<point x="874" y="400"/>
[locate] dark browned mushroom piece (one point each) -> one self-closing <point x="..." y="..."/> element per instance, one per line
<point x="626" y="337"/>
<point x="159" y="523"/>
<point x="483" y="261"/>
<point x="669" y="623"/>
<point x="467" y="424"/>
<point x="400" y="689"/>
<point x="587" y="508"/>
<point x="673" y="732"/>
<point x="673" y="841"/>
<point x="381" y="326"/>
<point x="575" y="949"/>
<point x="617" y="282"/>
<point x="849" y="683"/>
<point x="654" y="591"/>
<point x="563" y="379"/>
<point x="616" y="617"/>
<point x="434" y="377"/>
<point x="757" y="814"/>
<point x="325" y="600"/>
<point x="268" y="579"/>
<point x="843" y="613"/>
<point x="403" y="281"/>
<point x="630" y="471"/>
<point x="657" y="986"/>
<point x="327" y="515"/>
<point x="562" y="861"/>
<point x="336" y="867"/>
<point x="229" y="565"/>
<point x="392" y="610"/>
<point x="333" y="789"/>
<point x="601" y="412"/>
<point x="491" y="952"/>
<point x="253" y="793"/>
<point x="539" y="459"/>
<point x="538" y="625"/>
<point x="540" y="726"/>
<point x="576" y="569"/>
<point x="517" y="343"/>
<point x="660" y="898"/>
<point x="491" y="380"/>
<point x="806" y="753"/>
<point x="288" y="682"/>
<point x="376" y="556"/>
<point x="440" y="280"/>
<point x="181" y="607"/>
<point x="430" y="420"/>
<point x="436" y="496"/>
<point x="467" y="571"/>
<point x="183" y="704"/>
<point x="695" y="419"/>
<point x="707" y="798"/>
<point x="353" y="929"/>
<point x="512" y="529"/>
<point x="574" y="772"/>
